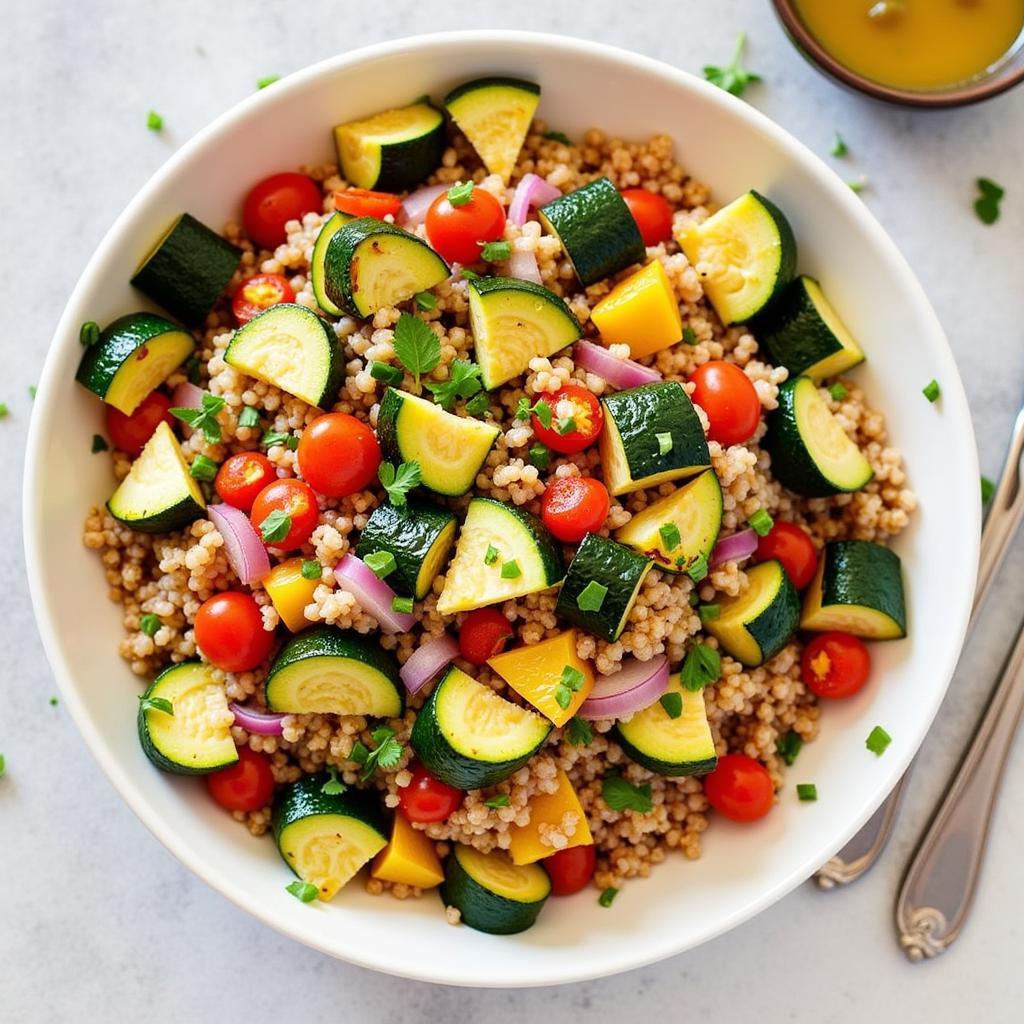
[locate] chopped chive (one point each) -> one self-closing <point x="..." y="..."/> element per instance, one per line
<point x="479" y="405"/>
<point x="987" y="490"/>
<point x="3" y="766"/>
<point x="878" y="739"/>
<point x="402" y="604"/>
<point x="32" y="391"/>
<point x="468" y="275"/>
<point x="89" y="333"/>
<point x="149" y="624"/>
<point x="382" y="563"/>
<point x="761" y="522"/>
<point x="387" y="373"/>
<point x="931" y="390"/>
<point x="498" y="800"/>
<point x="693" y="599"/>
<point x="670" y="537"/>
<point x="304" y="891"/>
<point x="272" y="437"/>
<point x="460" y="193"/>
<point x="607" y="897"/>
<point x="311" y="569"/>
<point x="558" y="137"/>
<point x="3" y="410"/>
<point x="99" y="444"/>
<point x="709" y="612"/>
<point x="672" y="703"/>
<point x="54" y="701"/>
<point x="839" y="147"/>
<point x="540" y="456"/>
<point x="838" y="391"/>
<point x="664" y="442"/>
<point x="496" y="252"/>
<point x="591" y="597"/>
<point x="806" y="791"/>
<point x="857" y="184"/>
<point x="572" y="678"/>
<point x="202" y="468"/>
<point x="262" y="83"/>
<point x="426" y="301"/>
<point x="789" y="745"/>
<point x="563" y="696"/>
<point x="689" y="336"/>
<point x="578" y="732"/>
<point x="248" y="417"/>
<point x="699" y="569"/>
<point x="510" y="570"/>
<point x="491" y="555"/>
<point x="154" y="122"/>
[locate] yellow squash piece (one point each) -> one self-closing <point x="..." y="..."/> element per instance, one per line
<point x="410" y="858"/>
<point x="641" y="312"/>
<point x="534" y="671"/>
<point x="549" y="809"/>
<point x="290" y="592"/>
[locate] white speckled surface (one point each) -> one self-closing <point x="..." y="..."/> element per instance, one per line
<point x="97" y="921"/>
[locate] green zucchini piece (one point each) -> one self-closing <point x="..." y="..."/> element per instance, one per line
<point x="524" y="558"/>
<point x="419" y="537"/>
<point x="514" y="321"/>
<point x="469" y="737"/>
<point x="134" y="355"/>
<point x="325" y="839"/>
<point x="327" y="670"/>
<point x="858" y="589"/>
<point x="756" y="624"/>
<point x="316" y="262"/>
<point x="491" y="893"/>
<point x="596" y="229"/>
<point x="292" y="348"/>
<point x="391" y="151"/>
<point x="631" y="455"/>
<point x="196" y="738"/>
<point x="450" y="449"/>
<point x="671" y="746"/>
<point x="495" y="114"/>
<point x="745" y="255"/>
<point x="188" y="270"/>
<point x="811" y="453"/>
<point x="159" y="493"/>
<point x="370" y="264"/>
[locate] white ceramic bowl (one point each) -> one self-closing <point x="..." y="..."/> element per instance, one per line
<point x="721" y="141"/>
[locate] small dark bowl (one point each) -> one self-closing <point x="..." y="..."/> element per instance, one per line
<point x="1003" y="76"/>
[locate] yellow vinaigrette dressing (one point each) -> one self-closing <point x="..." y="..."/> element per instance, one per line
<point x="915" y="44"/>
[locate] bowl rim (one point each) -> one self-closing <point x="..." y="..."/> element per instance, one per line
<point x="633" y="956"/>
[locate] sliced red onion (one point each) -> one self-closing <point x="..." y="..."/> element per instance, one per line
<point x="620" y="373"/>
<point x="260" y="723"/>
<point x="531" y="191"/>
<point x="734" y="548"/>
<point x="427" y="661"/>
<point x="636" y="685"/>
<point x="523" y="265"/>
<point x="242" y="542"/>
<point x="186" y="396"/>
<point x="415" y="205"/>
<point x="373" y="594"/>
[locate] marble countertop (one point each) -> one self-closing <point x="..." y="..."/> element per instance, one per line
<point x="97" y="920"/>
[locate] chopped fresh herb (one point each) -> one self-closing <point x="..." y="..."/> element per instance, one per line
<point x="311" y="569"/>
<point x="709" y="612"/>
<point x="276" y="526"/>
<point x="806" y="791"/>
<point x="761" y="522"/>
<point x="460" y="193"/>
<point x="333" y="786"/>
<point x="426" y="301"/>
<point x="491" y="555"/>
<point x="607" y="897"/>
<point x="572" y="678"/>
<point x="402" y="604"/>
<point x="540" y="409"/>
<point x="698" y="570"/>
<point x="382" y="563"/>
<point x="479" y="405"/>
<point x="701" y="667"/>
<point x="468" y="275"/>
<point x="563" y="696"/>
<point x="693" y="599"/>
<point x="591" y="597"/>
<point x="496" y="252"/>
<point x="272" y="437"/>
<point x="267" y="80"/>
<point x="669" y="534"/>
<point x="621" y="795"/>
<point x="931" y="390"/>
<point x="558" y="137"/>
<point x="3" y="766"/>
<point x="32" y="391"/>
<point x="857" y="184"/>
<point x="193" y="370"/>
<point x="204" y="418"/>
<point x="99" y="444"/>
<point x="161" y="704"/>
<point x="149" y="624"/>
<point x="578" y="732"/>
<point x="566" y="426"/>
<point x="839" y="147"/>
<point x="54" y="702"/>
<point x="986" y="206"/>
<point x="154" y="122"/>
<point x="360" y="752"/>
<point x="510" y="570"/>
<point x="689" y="336"/>
<point x="387" y="373"/>
<point x="672" y="703"/>
<point x="878" y="739"/>
<point x="398" y="482"/>
<point x="540" y="456"/>
<point x="788" y="745"/>
<point x="416" y="345"/>
<point x="249" y="417"/>
<point x="463" y="382"/>
<point x="732" y="78"/>
<point x="304" y="891"/>
<point x="987" y="490"/>
<point x="202" y="468"/>
<point x="664" y="442"/>
<point x="3" y="410"/>
<point x="499" y="800"/>
<point x="387" y="753"/>
<point x="838" y="391"/>
<point x="89" y="333"/>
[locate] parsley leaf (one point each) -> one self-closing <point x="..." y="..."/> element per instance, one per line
<point x="161" y="704"/>
<point x="398" y="482"/>
<point x="621" y="795"/>
<point x="540" y="409"/>
<point x="988" y="489"/>
<point x="393" y="375"/>
<point x="304" y="891"/>
<point x="204" y="418"/>
<point x="426" y="301"/>
<point x="272" y="437"/>
<point x="838" y="391"/>
<point x="578" y="732"/>
<point x="557" y="137"/>
<point x="672" y="703"/>
<point x="386" y="754"/>
<point x="500" y="800"/>
<point x="416" y="346"/>
<point x="732" y="78"/>
<point x="540" y="456"/>
<point x="689" y="336"/>
<point x="480" y="405"/>
<point x="276" y="526"/>
<point x="149" y="624"/>
<point x="249" y="417"/>
<point x="701" y="667"/>
<point x="311" y="569"/>
<point x="463" y="382"/>
<point x="333" y="786"/>
<point x="986" y="206"/>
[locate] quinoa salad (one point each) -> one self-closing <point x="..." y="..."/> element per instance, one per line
<point x="492" y="509"/>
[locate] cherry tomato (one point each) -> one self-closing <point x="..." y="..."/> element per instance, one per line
<point x="483" y="634"/>
<point x="130" y="433"/>
<point x="574" y="506"/>
<point x="260" y="292"/>
<point x="570" y="870"/>
<point x="792" y="546"/>
<point x="587" y="420"/>
<point x="276" y="200"/>
<point x="229" y="632"/>
<point x="427" y="799"/>
<point x="241" y="477"/>
<point x="246" y="785"/>
<point x="293" y="497"/>
<point x="458" y="232"/>
<point x="338" y="454"/>
<point x="652" y="214"/>
<point x="740" y="788"/>
<point x="835" y="665"/>
<point x="361" y="202"/>
<point x="727" y="395"/>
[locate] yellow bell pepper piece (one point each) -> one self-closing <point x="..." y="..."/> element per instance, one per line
<point x="525" y="845"/>
<point x="535" y="673"/>
<point x="409" y="858"/>
<point x="290" y="592"/>
<point x="641" y="312"/>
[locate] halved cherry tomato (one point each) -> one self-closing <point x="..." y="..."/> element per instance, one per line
<point x="458" y="233"/>
<point x="246" y="785"/>
<point x="740" y="788"/>
<point x="242" y="476"/>
<point x="338" y="454"/>
<point x="652" y="214"/>
<point x="835" y="665"/>
<point x="792" y="546"/>
<point x="483" y="634"/>
<point x="427" y="799"/>
<point x="570" y="870"/>
<point x="297" y="500"/>
<point x="576" y="431"/>
<point x="728" y="396"/>
<point x="229" y="632"/>
<point x="276" y="200"/>
<point x="574" y="506"/>
<point x="361" y="202"/>
<point x="129" y="434"/>
<point x="260" y="292"/>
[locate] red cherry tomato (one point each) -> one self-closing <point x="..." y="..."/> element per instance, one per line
<point x="130" y="433"/>
<point x="587" y="420"/>
<point x="427" y="799"/>
<point x="338" y="454"/>
<point x="241" y="477"/>
<point x="727" y="395"/>
<point x="361" y="202"/>
<point x="246" y="785"/>
<point x="483" y="634"/>
<point x="229" y="632"/>
<point x="276" y="200"/>
<point x="792" y="546"/>
<point x="570" y="870"/>
<point x="260" y="292"/>
<point x="458" y="232"/>
<point x="835" y="665"/>
<point x="740" y="788"/>
<point x="297" y="500"/>
<point x="652" y="214"/>
<point x="574" y="506"/>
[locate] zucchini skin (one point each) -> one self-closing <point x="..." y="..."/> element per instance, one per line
<point x="316" y="263"/>
<point x="306" y="798"/>
<point x="670" y="769"/>
<point x="775" y="626"/>
<point x="787" y="254"/>
<point x="488" y="81"/>
<point x="167" y="519"/>
<point x="861" y="572"/>
<point x="403" y="165"/>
